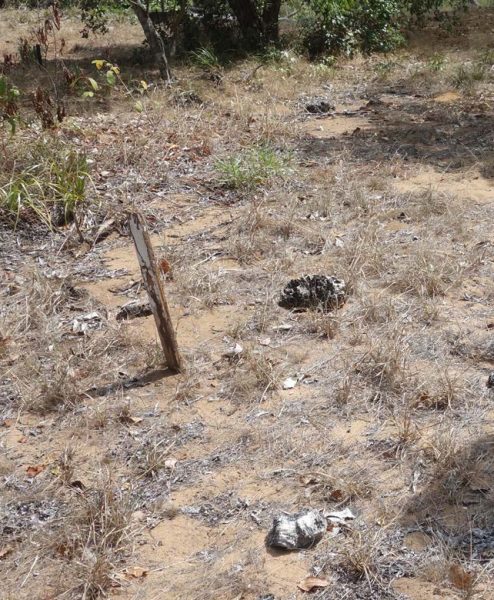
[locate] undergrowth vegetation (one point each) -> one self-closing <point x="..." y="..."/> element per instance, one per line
<point x="44" y="181"/>
<point x="251" y="168"/>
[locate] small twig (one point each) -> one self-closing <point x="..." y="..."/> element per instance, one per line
<point x="30" y="571"/>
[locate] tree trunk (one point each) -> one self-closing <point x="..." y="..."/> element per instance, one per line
<point x="153" y="38"/>
<point x="270" y="18"/>
<point x="251" y="26"/>
<point x="257" y="28"/>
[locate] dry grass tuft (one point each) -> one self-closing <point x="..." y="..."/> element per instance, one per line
<point x="385" y="364"/>
<point x="426" y="272"/>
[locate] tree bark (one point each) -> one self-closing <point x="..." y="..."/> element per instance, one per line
<point x="245" y="12"/>
<point x="153" y="38"/>
<point x="257" y="28"/>
<point x="270" y="19"/>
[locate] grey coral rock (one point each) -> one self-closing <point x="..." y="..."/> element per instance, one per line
<point x="314" y="291"/>
<point x="301" y="530"/>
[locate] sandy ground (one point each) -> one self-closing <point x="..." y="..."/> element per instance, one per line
<point x="391" y="415"/>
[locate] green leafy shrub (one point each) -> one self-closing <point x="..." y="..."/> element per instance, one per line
<point x="345" y="26"/>
<point x="9" y="96"/>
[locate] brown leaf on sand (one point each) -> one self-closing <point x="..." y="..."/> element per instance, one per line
<point x="5" y="551"/>
<point x="460" y="578"/>
<point x="165" y="266"/>
<point x="311" y="583"/>
<point x="34" y="470"/>
<point x="135" y="572"/>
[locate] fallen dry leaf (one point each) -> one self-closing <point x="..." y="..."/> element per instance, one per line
<point x="8" y="422"/>
<point x="459" y="577"/>
<point x="310" y="583"/>
<point x="5" y="551"/>
<point x="165" y="266"/>
<point x="135" y="572"/>
<point x="337" y="495"/>
<point x="34" y="470"/>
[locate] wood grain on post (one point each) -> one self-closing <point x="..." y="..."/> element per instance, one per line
<point x="154" y="287"/>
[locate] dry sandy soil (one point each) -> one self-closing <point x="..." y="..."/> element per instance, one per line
<point x="118" y="478"/>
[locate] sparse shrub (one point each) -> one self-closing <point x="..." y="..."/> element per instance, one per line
<point x="207" y="60"/>
<point x="467" y="76"/>
<point x="250" y="168"/>
<point x="436" y="62"/>
<point x="45" y="185"/>
<point x="9" y="96"/>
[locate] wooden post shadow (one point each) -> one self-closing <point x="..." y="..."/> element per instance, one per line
<point x="154" y="287"/>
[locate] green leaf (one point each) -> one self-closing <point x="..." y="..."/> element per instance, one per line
<point x="99" y="63"/>
<point x="110" y="78"/>
<point x="144" y="85"/>
<point x="88" y="94"/>
<point x="138" y="106"/>
<point x="13" y="124"/>
<point x="93" y="84"/>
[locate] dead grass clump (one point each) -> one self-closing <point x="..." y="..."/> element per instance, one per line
<point x="426" y="272"/>
<point x="469" y="75"/>
<point x="339" y="188"/>
<point x="153" y="458"/>
<point x="426" y="204"/>
<point x="57" y="392"/>
<point x="441" y="390"/>
<point x="407" y="431"/>
<point x="264" y="317"/>
<point x="92" y="539"/>
<point x="256" y="374"/>
<point x="188" y="386"/>
<point x="385" y="364"/>
<point x="460" y="466"/>
<point x="243" y="579"/>
<point x="366" y="255"/>
<point x="39" y="299"/>
<point x="322" y="325"/>
<point x="361" y="555"/>
<point x="339" y="484"/>
<point x="377" y="308"/>
<point x="345" y="391"/>
<point x="251" y="238"/>
<point x="203" y="286"/>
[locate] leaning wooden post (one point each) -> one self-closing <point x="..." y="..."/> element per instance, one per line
<point x="156" y="293"/>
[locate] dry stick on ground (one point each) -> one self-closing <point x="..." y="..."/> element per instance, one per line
<point x="154" y="287"/>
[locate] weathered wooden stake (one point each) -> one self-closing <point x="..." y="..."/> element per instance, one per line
<point x="156" y="293"/>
